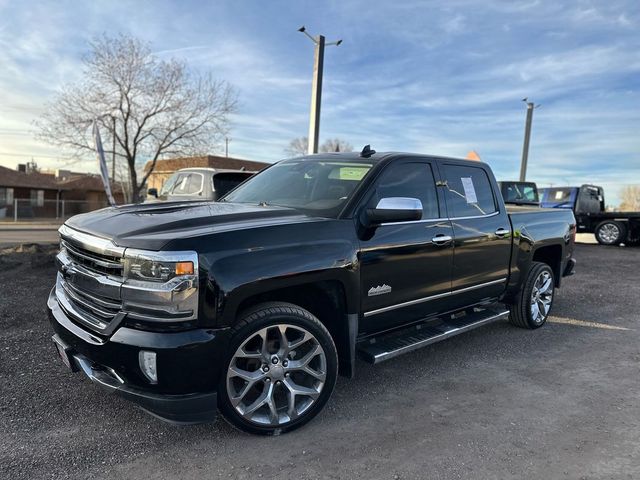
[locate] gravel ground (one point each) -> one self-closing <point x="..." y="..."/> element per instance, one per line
<point x="498" y="402"/>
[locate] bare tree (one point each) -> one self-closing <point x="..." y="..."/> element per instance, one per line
<point x="336" y="145"/>
<point x="154" y="108"/>
<point x="297" y="146"/>
<point x="630" y="198"/>
<point x="300" y="146"/>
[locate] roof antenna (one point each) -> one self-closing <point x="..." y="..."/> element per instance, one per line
<point x="367" y="152"/>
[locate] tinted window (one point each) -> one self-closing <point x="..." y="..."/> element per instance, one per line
<point x="413" y="180"/>
<point x="469" y="191"/>
<point x="224" y="182"/>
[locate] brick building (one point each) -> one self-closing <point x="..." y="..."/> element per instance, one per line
<point x="37" y="192"/>
<point x="41" y="195"/>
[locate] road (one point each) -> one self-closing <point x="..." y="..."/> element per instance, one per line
<point x="499" y="402"/>
<point x="15" y="234"/>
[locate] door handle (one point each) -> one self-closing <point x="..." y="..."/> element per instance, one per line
<point x="441" y="240"/>
<point x="501" y="232"/>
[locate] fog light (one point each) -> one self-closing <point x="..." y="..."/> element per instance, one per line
<point x="148" y="365"/>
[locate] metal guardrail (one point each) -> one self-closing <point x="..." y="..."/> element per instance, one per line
<point x="34" y="210"/>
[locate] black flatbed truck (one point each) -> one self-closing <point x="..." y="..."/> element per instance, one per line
<point x="588" y="205"/>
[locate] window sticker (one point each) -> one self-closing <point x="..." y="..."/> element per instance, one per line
<point x="469" y="190"/>
<point x="559" y="195"/>
<point x="348" y="173"/>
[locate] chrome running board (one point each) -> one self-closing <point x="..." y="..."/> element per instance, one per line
<point x="397" y="342"/>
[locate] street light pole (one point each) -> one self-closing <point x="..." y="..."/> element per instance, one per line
<point x="316" y="95"/>
<point x="316" y="88"/>
<point x="527" y="137"/>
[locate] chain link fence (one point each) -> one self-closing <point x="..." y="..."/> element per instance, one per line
<point x="39" y="210"/>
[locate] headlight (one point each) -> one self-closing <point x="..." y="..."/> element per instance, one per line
<point x="147" y="269"/>
<point x="160" y="286"/>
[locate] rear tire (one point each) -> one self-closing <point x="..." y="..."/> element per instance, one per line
<point x="535" y="300"/>
<point x="280" y="369"/>
<point x="610" y="232"/>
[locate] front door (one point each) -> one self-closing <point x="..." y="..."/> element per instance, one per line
<point x="406" y="266"/>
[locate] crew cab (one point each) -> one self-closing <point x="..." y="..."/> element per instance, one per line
<point x="253" y="305"/>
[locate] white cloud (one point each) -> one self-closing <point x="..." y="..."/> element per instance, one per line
<point x="437" y="78"/>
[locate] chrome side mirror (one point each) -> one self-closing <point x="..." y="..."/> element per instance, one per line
<point x="393" y="210"/>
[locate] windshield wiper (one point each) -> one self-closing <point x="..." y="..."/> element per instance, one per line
<point x="262" y="203"/>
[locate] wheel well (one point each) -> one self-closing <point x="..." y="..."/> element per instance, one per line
<point x="326" y="300"/>
<point x="552" y="256"/>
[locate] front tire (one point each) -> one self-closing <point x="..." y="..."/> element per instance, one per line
<point x="280" y="369"/>
<point x="610" y="233"/>
<point x="535" y="300"/>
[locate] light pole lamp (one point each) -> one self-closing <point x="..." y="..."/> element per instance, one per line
<point x="316" y="87"/>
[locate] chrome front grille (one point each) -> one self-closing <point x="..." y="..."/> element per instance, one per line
<point x="91" y="310"/>
<point x="103" y="307"/>
<point x="90" y="279"/>
<point x="96" y="262"/>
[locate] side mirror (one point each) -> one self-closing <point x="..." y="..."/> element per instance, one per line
<point x="152" y="191"/>
<point x="393" y="209"/>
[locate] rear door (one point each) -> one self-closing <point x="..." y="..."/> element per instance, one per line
<point x="482" y="236"/>
<point x="405" y="274"/>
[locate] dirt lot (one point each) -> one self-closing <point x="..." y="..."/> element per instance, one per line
<point x="499" y="402"/>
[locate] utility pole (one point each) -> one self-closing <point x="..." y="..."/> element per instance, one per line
<point x="226" y="147"/>
<point x="527" y="136"/>
<point x="316" y="88"/>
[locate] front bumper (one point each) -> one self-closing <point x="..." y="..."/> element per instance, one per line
<point x="186" y="361"/>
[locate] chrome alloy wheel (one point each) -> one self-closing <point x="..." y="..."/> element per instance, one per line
<point x="609" y="233"/>
<point x="541" y="297"/>
<point x="276" y="375"/>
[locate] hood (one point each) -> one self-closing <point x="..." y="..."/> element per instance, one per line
<point x="151" y="225"/>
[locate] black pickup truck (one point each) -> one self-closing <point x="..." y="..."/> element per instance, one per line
<point x="254" y="304"/>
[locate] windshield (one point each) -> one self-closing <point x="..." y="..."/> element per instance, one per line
<point x="183" y="183"/>
<point x="558" y="197"/>
<point x="319" y="187"/>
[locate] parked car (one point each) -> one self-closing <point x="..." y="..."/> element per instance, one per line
<point x="254" y="304"/>
<point x="588" y="206"/>
<point x="198" y="184"/>
<point x="519" y="193"/>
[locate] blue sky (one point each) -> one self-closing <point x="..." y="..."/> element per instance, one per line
<point x="431" y="77"/>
